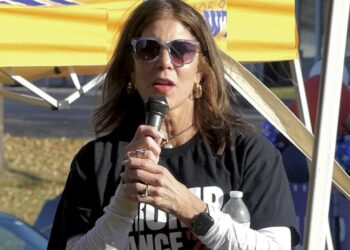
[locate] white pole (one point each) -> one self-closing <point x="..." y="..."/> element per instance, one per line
<point x="326" y="127"/>
<point x="298" y="81"/>
<point x="304" y="114"/>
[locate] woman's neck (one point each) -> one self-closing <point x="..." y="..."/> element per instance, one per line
<point x="178" y="130"/>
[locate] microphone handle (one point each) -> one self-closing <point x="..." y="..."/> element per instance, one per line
<point x="154" y="120"/>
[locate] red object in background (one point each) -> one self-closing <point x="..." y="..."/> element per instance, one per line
<point x="311" y="89"/>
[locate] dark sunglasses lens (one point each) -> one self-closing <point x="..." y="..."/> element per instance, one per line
<point x="147" y="50"/>
<point x="182" y="52"/>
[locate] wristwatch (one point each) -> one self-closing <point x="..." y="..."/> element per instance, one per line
<point x="202" y="223"/>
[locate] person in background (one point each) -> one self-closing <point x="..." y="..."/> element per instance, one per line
<point x="138" y="188"/>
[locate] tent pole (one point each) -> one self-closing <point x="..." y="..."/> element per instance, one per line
<point x="303" y="110"/>
<point x="326" y="125"/>
<point x="301" y="99"/>
<point x="298" y="81"/>
<point x="318" y="28"/>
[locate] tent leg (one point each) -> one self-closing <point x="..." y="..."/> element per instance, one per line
<point x="326" y="125"/>
<point x="305" y="117"/>
<point x="329" y="241"/>
<point x="298" y="81"/>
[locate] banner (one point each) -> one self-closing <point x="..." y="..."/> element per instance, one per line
<point x="81" y="33"/>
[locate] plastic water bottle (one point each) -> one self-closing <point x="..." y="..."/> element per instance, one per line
<point x="237" y="209"/>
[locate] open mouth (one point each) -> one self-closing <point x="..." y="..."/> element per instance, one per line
<point x="163" y="85"/>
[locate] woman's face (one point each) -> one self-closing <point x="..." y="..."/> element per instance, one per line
<point x="164" y="75"/>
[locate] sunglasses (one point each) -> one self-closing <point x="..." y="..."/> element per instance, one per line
<point x="147" y="49"/>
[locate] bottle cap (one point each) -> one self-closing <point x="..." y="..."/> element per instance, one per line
<point x="236" y="194"/>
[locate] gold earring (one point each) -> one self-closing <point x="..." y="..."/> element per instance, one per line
<point x="130" y="89"/>
<point x="197" y="90"/>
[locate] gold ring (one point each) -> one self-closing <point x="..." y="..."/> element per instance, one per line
<point x="145" y="192"/>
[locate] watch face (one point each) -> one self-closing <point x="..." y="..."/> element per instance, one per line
<point x="201" y="224"/>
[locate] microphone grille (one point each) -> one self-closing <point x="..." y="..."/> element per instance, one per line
<point x="157" y="104"/>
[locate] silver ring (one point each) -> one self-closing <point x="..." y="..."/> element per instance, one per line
<point x="140" y="153"/>
<point x="145" y="192"/>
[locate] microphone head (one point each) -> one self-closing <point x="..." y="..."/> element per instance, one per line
<point x="157" y="104"/>
<point x="156" y="107"/>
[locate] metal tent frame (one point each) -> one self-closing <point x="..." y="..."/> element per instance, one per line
<point x="44" y="99"/>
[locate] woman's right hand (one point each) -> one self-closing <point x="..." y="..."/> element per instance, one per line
<point x="145" y="144"/>
<point x="144" y="147"/>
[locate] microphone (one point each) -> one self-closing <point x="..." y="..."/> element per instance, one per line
<point x="156" y="107"/>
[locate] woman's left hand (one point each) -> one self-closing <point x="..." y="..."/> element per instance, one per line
<point x="163" y="190"/>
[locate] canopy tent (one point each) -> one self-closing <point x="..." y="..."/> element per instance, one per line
<point x="83" y="35"/>
<point x="60" y="38"/>
<point x="57" y="38"/>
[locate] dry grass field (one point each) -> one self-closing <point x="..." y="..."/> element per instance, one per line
<point x="35" y="170"/>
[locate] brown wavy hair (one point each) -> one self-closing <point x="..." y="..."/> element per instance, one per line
<point x="213" y="114"/>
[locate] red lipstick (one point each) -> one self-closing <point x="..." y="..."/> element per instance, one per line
<point x="163" y="85"/>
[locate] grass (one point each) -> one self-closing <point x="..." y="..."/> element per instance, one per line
<point x="35" y="169"/>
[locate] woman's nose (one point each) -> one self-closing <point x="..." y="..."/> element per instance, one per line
<point x="164" y="60"/>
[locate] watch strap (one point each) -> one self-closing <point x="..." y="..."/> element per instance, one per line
<point x="202" y="222"/>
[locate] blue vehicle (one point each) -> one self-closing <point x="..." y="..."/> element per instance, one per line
<point x="44" y="221"/>
<point x="16" y="234"/>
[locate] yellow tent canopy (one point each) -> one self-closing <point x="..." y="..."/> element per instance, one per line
<point x="83" y="34"/>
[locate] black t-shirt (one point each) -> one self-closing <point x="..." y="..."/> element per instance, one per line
<point x="250" y="164"/>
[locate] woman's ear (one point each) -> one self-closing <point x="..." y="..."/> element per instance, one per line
<point x="199" y="76"/>
<point x="202" y="67"/>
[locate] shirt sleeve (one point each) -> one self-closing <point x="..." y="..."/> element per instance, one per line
<point x="226" y="234"/>
<point x="111" y="230"/>
<point x="79" y="206"/>
<point x="91" y="183"/>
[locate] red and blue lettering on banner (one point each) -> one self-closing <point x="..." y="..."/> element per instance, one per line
<point x="38" y="2"/>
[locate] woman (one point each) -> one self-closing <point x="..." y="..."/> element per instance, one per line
<point x="138" y="188"/>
